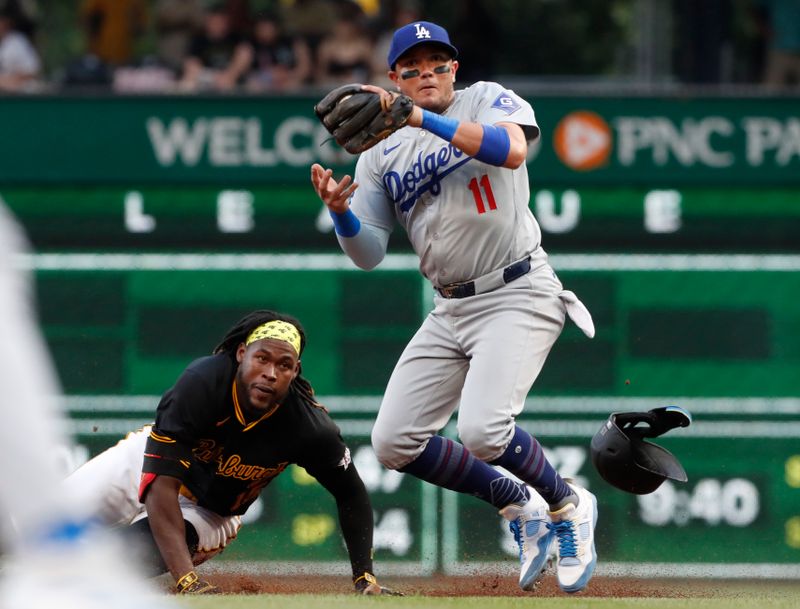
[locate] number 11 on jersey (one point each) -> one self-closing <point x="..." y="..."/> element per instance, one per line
<point x="478" y="195"/>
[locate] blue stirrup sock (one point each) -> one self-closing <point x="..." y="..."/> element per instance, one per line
<point x="448" y="464"/>
<point x="525" y="459"/>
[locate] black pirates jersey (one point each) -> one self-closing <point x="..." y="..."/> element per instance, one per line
<point x="201" y="436"/>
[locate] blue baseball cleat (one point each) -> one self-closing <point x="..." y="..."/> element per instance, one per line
<point x="536" y="541"/>
<point x="573" y="526"/>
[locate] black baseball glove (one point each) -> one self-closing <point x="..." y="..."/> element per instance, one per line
<point x="368" y="585"/>
<point x="359" y="119"/>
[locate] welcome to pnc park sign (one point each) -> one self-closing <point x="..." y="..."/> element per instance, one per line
<point x="249" y="140"/>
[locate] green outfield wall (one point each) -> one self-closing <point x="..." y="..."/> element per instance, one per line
<point x="291" y="218"/>
<point x="232" y="140"/>
<point x="690" y="330"/>
<point x="200" y="173"/>
<point x="157" y="221"/>
<point x="666" y="325"/>
<point x="736" y="517"/>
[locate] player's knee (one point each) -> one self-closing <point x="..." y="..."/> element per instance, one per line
<point x="476" y="441"/>
<point x="394" y="450"/>
<point x="386" y="449"/>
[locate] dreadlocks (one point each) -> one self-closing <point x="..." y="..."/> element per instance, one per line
<point x="300" y="388"/>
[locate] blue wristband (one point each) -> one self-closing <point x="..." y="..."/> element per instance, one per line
<point x="494" y="146"/>
<point x="346" y="224"/>
<point x="443" y="126"/>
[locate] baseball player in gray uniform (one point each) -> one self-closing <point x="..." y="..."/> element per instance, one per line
<point x="455" y="179"/>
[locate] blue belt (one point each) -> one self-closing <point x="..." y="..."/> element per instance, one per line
<point x="467" y="288"/>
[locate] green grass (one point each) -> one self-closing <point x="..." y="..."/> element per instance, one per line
<point x="737" y="598"/>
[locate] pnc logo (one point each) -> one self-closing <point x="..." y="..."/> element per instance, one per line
<point x="422" y="31"/>
<point x="583" y="141"/>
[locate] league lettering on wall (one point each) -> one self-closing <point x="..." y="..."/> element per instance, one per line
<point x="597" y="218"/>
<point x="641" y="174"/>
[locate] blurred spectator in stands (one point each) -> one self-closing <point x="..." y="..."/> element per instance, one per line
<point x="346" y="54"/>
<point x="781" y="20"/>
<point x="218" y="58"/>
<point x="145" y="78"/>
<point x="705" y="35"/>
<point x="239" y="16"/>
<point x="19" y="61"/>
<point x="312" y="20"/>
<point x="176" y="23"/>
<point x="112" y="28"/>
<point x="476" y="29"/>
<point x="405" y="12"/>
<point x="87" y="72"/>
<point x="25" y="14"/>
<point x="370" y="8"/>
<point x="280" y="62"/>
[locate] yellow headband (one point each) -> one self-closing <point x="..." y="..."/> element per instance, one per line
<point x="278" y="330"/>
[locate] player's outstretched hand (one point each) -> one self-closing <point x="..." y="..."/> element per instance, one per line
<point x="192" y="584"/>
<point x="368" y="585"/>
<point x="334" y="194"/>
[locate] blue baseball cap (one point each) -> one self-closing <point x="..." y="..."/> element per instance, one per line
<point x="419" y="32"/>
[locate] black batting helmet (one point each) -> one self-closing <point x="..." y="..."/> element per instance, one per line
<point x="625" y="460"/>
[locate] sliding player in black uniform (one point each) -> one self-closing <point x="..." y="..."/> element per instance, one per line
<point x="232" y="422"/>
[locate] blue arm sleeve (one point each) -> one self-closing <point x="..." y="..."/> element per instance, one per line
<point x="346" y="224"/>
<point x="443" y="126"/>
<point x="494" y="146"/>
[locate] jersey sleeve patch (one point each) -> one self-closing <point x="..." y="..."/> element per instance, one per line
<point x="506" y="102"/>
<point x="346" y="459"/>
<point x="145" y="481"/>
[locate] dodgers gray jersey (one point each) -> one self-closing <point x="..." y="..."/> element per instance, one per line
<point x="464" y="218"/>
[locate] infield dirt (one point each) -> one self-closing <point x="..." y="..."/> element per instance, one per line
<point x="440" y="585"/>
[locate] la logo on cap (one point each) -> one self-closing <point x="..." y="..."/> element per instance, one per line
<point x="422" y="31"/>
